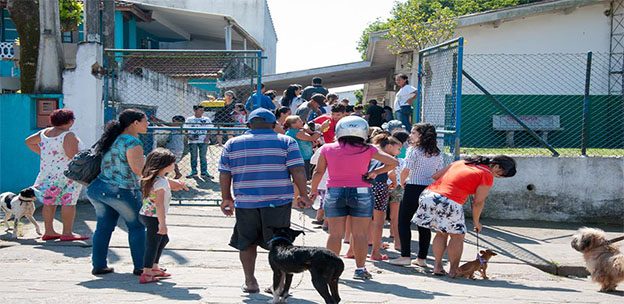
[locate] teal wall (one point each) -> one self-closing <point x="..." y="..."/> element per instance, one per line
<point x="604" y="119"/>
<point x="208" y="84"/>
<point x="18" y="165"/>
<point x="119" y="30"/>
<point x="8" y="68"/>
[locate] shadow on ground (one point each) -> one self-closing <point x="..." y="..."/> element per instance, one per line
<point x="128" y="282"/>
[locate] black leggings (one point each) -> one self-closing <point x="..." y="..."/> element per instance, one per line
<point x="154" y="242"/>
<point x="407" y="209"/>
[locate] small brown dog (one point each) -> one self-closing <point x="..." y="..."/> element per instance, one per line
<point x="480" y="264"/>
<point x="603" y="260"/>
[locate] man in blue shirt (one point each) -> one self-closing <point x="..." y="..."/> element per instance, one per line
<point x="265" y="101"/>
<point x="260" y="164"/>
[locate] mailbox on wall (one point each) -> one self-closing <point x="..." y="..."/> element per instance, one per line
<point x="45" y="107"/>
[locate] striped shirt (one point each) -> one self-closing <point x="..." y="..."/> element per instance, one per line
<point x="421" y="166"/>
<point x="259" y="161"/>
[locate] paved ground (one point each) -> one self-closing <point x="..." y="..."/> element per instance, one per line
<point x="206" y="270"/>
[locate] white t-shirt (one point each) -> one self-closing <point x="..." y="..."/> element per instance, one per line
<point x="295" y="103"/>
<point x="314" y="161"/>
<point x="403" y="95"/>
<point x="149" y="207"/>
<point x="198" y="136"/>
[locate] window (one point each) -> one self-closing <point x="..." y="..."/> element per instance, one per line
<point x="8" y="33"/>
<point x="68" y="37"/>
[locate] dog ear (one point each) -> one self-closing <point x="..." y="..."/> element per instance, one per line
<point x="482" y="252"/>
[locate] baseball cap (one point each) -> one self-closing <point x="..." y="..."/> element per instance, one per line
<point x="263" y="113"/>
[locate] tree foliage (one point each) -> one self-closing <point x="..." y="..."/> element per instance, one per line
<point x="415" y="24"/>
<point x="70" y="13"/>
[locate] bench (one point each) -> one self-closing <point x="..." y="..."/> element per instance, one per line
<point x="542" y="124"/>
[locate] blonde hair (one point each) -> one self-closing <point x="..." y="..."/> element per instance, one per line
<point x="291" y="120"/>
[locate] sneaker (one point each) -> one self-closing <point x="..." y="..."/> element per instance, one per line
<point x="206" y="175"/>
<point x="402" y="261"/>
<point x="191" y="175"/>
<point x="362" y="274"/>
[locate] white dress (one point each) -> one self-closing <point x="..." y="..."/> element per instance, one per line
<point x="54" y="187"/>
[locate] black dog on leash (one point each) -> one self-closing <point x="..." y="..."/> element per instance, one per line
<point x="325" y="267"/>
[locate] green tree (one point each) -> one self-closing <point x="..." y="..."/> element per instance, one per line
<point x="415" y="24"/>
<point x="25" y="15"/>
<point x="359" y="95"/>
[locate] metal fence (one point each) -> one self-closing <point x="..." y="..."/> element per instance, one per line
<point x="440" y="92"/>
<point x="168" y="85"/>
<point x="541" y="104"/>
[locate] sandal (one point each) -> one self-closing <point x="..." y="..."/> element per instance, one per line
<point x="349" y="256"/>
<point x="385" y="245"/>
<point x="73" y="237"/>
<point x="440" y="274"/>
<point x="148" y="278"/>
<point x="248" y="290"/>
<point x="161" y="274"/>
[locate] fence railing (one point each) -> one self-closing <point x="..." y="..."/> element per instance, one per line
<point x="540" y="104"/>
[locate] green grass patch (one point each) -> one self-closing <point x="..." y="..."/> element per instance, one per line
<point x="565" y="152"/>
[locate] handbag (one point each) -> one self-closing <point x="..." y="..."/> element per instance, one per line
<point x="85" y="166"/>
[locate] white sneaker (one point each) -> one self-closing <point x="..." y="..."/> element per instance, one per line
<point x="402" y="261"/>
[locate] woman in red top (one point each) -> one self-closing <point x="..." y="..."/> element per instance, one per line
<point x="441" y="204"/>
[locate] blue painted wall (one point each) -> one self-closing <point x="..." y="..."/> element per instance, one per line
<point x="208" y="84"/>
<point x="18" y="165"/>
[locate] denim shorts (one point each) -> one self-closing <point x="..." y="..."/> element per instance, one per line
<point x="344" y="201"/>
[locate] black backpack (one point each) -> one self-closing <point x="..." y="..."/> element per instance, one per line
<point x="85" y="166"/>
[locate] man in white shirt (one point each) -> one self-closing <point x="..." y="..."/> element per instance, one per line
<point x="404" y="99"/>
<point x="198" y="140"/>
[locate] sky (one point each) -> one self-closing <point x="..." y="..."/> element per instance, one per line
<point x="333" y="25"/>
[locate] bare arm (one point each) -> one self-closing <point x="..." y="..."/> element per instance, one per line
<point x="411" y="99"/>
<point x="302" y="135"/>
<point x="321" y="166"/>
<point x="160" y="211"/>
<point x="404" y="174"/>
<point x="227" y="201"/>
<point x="299" y="177"/>
<point x="389" y="163"/>
<point x="70" y="144"/>
<point x="32" y="142"/>
<point x="136" y="160"/>
<point x="478" y="202"/>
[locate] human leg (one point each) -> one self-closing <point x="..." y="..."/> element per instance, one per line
<point x="48" y="212"/>
<point x="203" y="162"/>
<point x="439" y="246"/>
<point x="376" y="230"/>
<point x="336" y="232"/>
<point x="194" y="151"/>
<point x="248" y="260"/>
<point x="454" y="250"/>
<point x="106" y="222"/>
<point x="128" y="206"/>
<point x="394" y="224"/>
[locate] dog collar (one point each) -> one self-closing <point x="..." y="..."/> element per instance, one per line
<point x="27" y="200"/>
<point x="278" y="238"/>
<point x="482" y="261"/>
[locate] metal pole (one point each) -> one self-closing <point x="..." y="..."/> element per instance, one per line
<point x="416" y="118"/>
<point x="585" y="119"/>
<point x="259" y="86"/>
<point x="458" y="104"/>
<point x="510" y="113"/>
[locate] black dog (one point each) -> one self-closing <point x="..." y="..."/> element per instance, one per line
<point x="325" y="267"/>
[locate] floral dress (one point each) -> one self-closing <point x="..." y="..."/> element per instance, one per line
<point x="54" y="188"/>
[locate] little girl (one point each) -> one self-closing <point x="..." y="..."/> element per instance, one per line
<point x="381" y="194"/>
<point x="157" y="194"/>
<point x="348" y="192"/>
<point x="295" y="129"/>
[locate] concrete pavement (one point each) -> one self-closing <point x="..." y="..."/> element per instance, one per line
<point x="206" y="270"/>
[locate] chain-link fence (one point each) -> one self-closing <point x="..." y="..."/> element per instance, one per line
<point x="194" y="101"/>
<point x="439" y="87"/>
<point x="547" y="94"/>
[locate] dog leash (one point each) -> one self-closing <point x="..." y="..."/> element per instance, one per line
<point x="615" y="240"/>
<point x="302" y="219"/>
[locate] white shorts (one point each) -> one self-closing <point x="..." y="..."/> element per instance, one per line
<point x="440" y="213"/>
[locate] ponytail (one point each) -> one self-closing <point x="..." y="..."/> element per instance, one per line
<point x="506" y="163"/>
<point x="114" y="128"/>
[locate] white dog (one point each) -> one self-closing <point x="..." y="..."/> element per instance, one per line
<point x="22" y="205"/>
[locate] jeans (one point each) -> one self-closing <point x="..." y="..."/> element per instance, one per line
<point x="154" y="242"/>
<point x="199" y="148"/>
<point x="343" y="201"/>
<point x="407" y="209"/>
<point x="110" y="202"/>
<point x="405" y="116"/>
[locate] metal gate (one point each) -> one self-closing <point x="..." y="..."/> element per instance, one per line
<point x="168" y="85"/>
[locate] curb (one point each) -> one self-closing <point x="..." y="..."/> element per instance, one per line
<point x="563" y="270"/>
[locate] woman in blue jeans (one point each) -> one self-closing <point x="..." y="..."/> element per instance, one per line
<point x="404" y="99"/>
<point x="116" y="191"/>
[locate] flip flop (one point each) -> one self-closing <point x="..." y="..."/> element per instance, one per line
<point x="349" y="256"/>
<point x="247" y="290"/>
<point x="440" y="274"/>
<point x="73" y="237"/>
<point x="161" y="274"/>
<point x="48" y="237"/>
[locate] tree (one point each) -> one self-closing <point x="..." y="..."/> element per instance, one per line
<point x="359" y="95"/>
<point x="25" y="15"/>
<point x="416" y="24"/>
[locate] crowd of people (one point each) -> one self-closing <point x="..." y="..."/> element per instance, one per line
<point x="356" y="166"/>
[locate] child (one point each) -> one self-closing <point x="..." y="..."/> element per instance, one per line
<point x="348" y="193"/>
<point x="295" y="129"/>
<point x="240" y="115"/>
<point x="176" y="143"/>
<point x="423" y="159"/>
<point x="322" y="188"/>
<point x="391" y="146"/>
<point x="157" y="194"/>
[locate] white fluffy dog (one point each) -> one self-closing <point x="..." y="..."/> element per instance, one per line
<point x="20" y="205"/>
<point x="603" y="260"/>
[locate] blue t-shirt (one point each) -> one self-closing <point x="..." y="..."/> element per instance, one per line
<point x="305" y="147"/>
<point x="265" y="102"/>
<point x="115" y="169"/>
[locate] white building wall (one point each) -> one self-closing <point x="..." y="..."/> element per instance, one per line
<point x="83" y="94"/>
<point x="579" y="31"/>
<point x="252" y="15"/>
